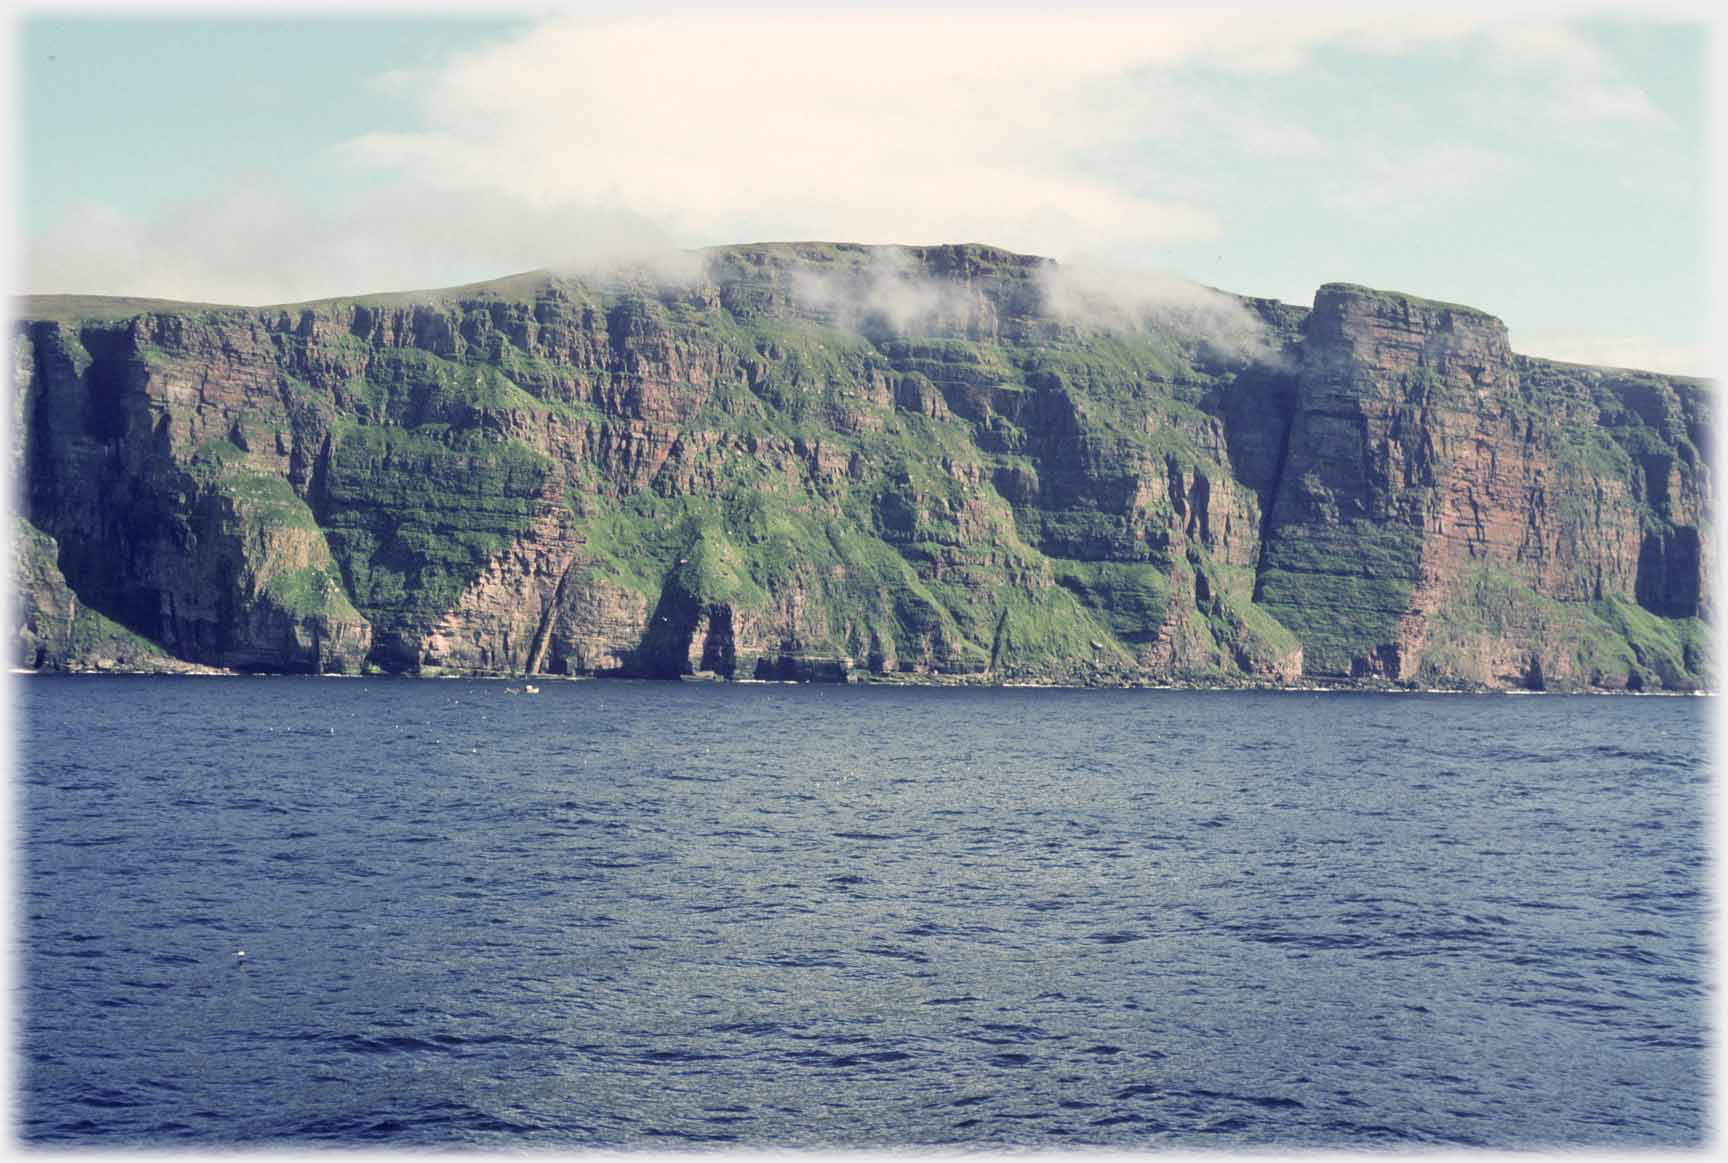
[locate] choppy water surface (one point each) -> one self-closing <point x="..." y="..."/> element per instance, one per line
<point x="663" y="915"/>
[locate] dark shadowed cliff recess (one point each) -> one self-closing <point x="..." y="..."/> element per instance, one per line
<point x="818" y="461"/>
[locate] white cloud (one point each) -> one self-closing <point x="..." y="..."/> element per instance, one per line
<point x="883" y="126"/>
<point x="877" y="128"/>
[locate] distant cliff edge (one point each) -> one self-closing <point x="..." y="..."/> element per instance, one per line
<point x="814" y="461"/>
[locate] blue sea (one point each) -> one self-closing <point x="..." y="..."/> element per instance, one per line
<point x="671" y="916"/>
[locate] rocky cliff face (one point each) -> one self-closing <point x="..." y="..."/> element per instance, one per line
<point x="1449" y="510"/>
<point x="806" y="461"/>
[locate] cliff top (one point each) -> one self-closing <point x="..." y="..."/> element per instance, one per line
<point x="944" y="260"/>
<point x="103" y="308"/>
<point x="1358" y="291"/>
<point x="947" y="254"/>
<point x="969" y="260"/>
<point x="1617" y="372"/>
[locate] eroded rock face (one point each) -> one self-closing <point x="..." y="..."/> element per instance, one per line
<point x="812" y="460"/>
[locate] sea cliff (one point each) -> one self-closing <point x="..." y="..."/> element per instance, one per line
<point x="819" y="461"/>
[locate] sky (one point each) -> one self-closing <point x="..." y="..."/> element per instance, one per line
<point x="1550" y="164"/>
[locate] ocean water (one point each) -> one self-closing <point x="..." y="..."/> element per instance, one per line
<point x="667" y="916"/>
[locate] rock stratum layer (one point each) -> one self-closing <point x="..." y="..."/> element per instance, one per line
<point x="815" y="461"/>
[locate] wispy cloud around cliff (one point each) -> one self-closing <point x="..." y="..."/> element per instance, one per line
<point x="890" y="290"/>
<point x="1107" y="300"/>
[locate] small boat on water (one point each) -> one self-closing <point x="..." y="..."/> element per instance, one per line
<point x="524" y="689"/>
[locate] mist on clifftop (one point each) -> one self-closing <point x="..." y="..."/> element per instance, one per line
<point x="889" y="290"/>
